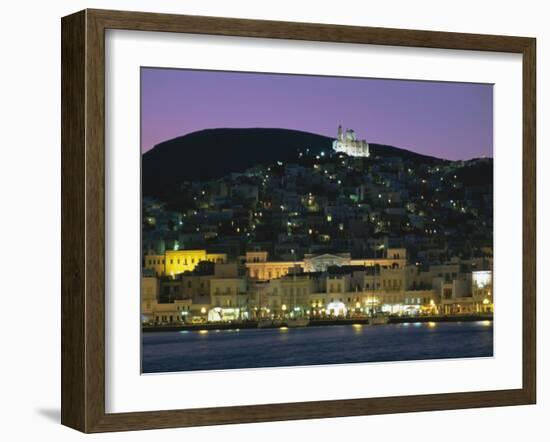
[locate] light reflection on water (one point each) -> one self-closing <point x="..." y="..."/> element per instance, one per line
<point x="272" y="347"/>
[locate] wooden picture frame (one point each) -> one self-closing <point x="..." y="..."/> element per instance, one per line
<point x="83" y="220"/>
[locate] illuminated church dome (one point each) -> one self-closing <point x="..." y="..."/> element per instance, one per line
<point x="349" y="144"/>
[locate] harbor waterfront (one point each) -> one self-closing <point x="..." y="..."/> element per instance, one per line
<point x="216" y="349"/>
<point x="316" y="288"/>
<point x="315" y="323"/>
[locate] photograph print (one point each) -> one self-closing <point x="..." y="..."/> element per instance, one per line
<point x="302" y="220"/>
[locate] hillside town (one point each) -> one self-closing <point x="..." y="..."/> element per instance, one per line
<point x="351" y="232"/>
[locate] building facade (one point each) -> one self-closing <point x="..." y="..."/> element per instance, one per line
<point x="175" y="262"/>
<point x="318" y="286"/>
<point x="347" y="143"/>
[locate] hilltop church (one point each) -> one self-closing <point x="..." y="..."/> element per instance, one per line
<point x="349" y="144"/>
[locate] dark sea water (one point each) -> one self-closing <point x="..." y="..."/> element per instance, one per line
<point x="227" y="349"/>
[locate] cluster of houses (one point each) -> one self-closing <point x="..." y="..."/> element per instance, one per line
<point x="336" y="233"/>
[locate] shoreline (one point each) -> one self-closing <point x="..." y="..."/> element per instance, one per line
<point x="314" y="323"/>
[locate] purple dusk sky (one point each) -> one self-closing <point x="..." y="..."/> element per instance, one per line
<point x="446" y="120"/>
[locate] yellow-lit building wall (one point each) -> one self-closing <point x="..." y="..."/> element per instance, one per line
<point x="179" y="261"/>
<point x="174" y="262"/>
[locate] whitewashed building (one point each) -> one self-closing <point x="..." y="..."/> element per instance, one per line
<point x="349" y="144"/>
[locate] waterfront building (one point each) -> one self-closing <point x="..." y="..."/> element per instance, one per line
<point x="289" y="295"/>
<point x="229" y="297"/>
<point x="465" y="305"/>
<point x="258" y="267"/>
<point x="415" y="302"/>
<point x="169" y="313"/>
<point x="179" y="261"/>
<point x="482" y="290"/>
<point x="320" y="263"/>
<point x="193" y="286"/>
<point x="475" y="298"/>
<point x="174" y="262"/>
<point x="165" y="313"/>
